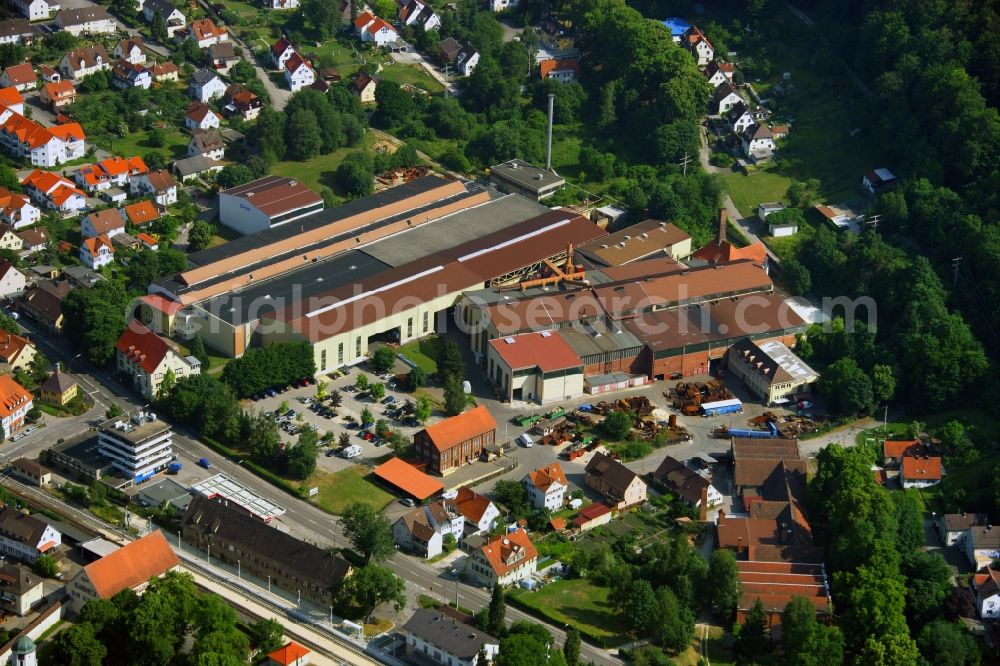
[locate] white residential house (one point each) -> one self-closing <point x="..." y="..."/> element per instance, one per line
<point x="12" y="281"/>
<point x="428" y="19"/>
<point x="200" y="116"/>
<point x="21" y="77"/>
<point x="282" y="4"/>
<point x="954" y="526"/>
<point x="16" y="209"/>
<point x="480" y="512"/>
<point x="126" y="75"/>
<point x="159" y="184"/>
<point x="435" y="638"/>
<point x="299" y="74"/>
<point x="281" y="51"/>
<point x="546" y="487"/>
<point x="758" y="143"/>
<point x="502" y="5"/>
<point x="208" y="144"/>
<point x="988" y="593"/>
<point x="204" y="33"/>
<point x="112" y="172"/>
<point x="740" y="118"/>
<point x="25" y="537"/>
<point x="205" y="85"/>
<point x="466" y="60"/>
<point x="130" y="50"/>
<point x="107" y="222"/>
<point x="422" y="531"/>
<point x="95" y="253"/>
<point x="694" y="40"/>
<point x="146" y="358"/>
<point x="172" y="16"/>
<point x="87" y="20"/>
<point x="52" y="191"/>
<point x="718" y="73"/>
<point x="918" y="471"/>
<point x="503" y="560"/>
<point x="724" y="99"/>
<point x="982" y="545"/>
<point x="34" y="10"/>
<point x="373" y="29"/>
<point x="84" y="61"/>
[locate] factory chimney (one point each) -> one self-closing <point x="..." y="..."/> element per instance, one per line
<point x="548" y="150"/>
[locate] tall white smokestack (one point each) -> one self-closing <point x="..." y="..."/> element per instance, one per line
<point x="548" y="150"/>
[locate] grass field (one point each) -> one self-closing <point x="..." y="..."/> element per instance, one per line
<point x="749" y="191"/>
<point x="581" y="604"/>
<point x="414" y="75"/>
<point x="320" y="171"/>
<point x="423" y="352"/>
<point x="714" y="651"/>
<point x="137" y="143"/>
<point x="338" y="489"/>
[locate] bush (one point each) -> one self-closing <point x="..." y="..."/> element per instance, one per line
<point x="721" y="160"/>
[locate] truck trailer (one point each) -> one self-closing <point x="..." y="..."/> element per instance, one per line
<point x="718" y="407"/>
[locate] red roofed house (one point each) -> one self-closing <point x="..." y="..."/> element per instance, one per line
<point x="281" y="51"/>
<point x="620" y="486"/>
<point x="694" y="40"/>
<point x="291" y="654"/>
<point x="13" y="99"/>
<point x="503" y="560"/>
<point x="165" y="71"/>
<point x="141" y="212"/>
<point x="15" y="403"/>
<point x="894" y="450"/>
<point x="26" y="537"/>
<point x="480" y="512"/>
<point x="58" y="94"/>
<point x="719" y="73"/>
<point x="721" y="251"/>
<point x="546" y="486"/>
<point x="921" y="471"/>
<point x="146" y="358"/>
<point x="96" y="252"/>
<point x="242" y="101"/>
<point x="987" y="586"/>
<point x="157" y="313"/>
<point x="564" y="70"/>
<point x="408" y="479"/>
<point x="21" y="76"/>
<point x="593" y="515"/>
<point x="16" y="350"/>
<point x="775" y="583"/>
<point x="160" y="184"/>
<point x="535" y="366"/>
<point x="148" y="242"/>
<point x="129" y="568"/>
<point x="204" y="33"/>
<point x="299" y="74"/>
<point x="112" y="172"/>
<point x="44" y="146"/>
<point x="200" y="116"/>
<point x="455" y="441"/>
<point x="53" y="191"/>
<point x="373" y="29"/>
<point x="16" y="210"/>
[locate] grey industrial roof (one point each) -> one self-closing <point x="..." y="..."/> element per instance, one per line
<point x="243" y="305"/>
<point x="587" y="339"/>
<point x="164" y="490"/>
<point x="527" y="176"/>
<point x="455" y="229"/>
<point x="457" y="639"/>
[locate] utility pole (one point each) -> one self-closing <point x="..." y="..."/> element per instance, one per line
<point x="684" y="162"/>
<point x="954" y="269"/>
<point x="874" y="220"/>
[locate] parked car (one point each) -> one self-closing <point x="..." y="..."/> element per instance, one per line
<point x="270" y="392"/>
<point x="406" y="501"/>
<point x="388" y="400"/>
<point x="331" y="453"/>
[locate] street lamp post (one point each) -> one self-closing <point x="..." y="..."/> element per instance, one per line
<point x="269" y="585"/>
<point x="239" y="575"/>
<point x="208" y="554"/>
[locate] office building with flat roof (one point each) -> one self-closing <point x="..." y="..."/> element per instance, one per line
<point x="138" y="446"/>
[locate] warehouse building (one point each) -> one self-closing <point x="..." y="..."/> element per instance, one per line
<point x="645" y="240"/>
<point x="540" y="367"/>
<point x="265" y="203"/>
<point x="770" y="369"/>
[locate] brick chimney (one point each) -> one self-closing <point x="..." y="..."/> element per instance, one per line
<point x="723" y="221"/>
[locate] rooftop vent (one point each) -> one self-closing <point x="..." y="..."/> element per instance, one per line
<point x="546" y="334"/>
<point x="627" y="237"/>
<point x="293" y="183"/>
<point x="509" y="341"/>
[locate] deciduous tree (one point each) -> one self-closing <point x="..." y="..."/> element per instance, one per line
<point x="369" y="531"/>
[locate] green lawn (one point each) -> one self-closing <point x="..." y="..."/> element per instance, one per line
<point x="749" y="191"/>
<point x="338" y="489"/>
<point x="414" y="75"/>
<point x="578" y="603"/>
<point x="137" y="143"/>
<point x="423" y="352"/>
<point x="320" y="171"/>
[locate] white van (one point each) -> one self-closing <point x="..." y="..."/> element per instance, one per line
<point x="525" y="440"/>
<point x="352" y="451"/>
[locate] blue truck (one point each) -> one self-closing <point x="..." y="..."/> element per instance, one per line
<point x="718" y="407"/>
